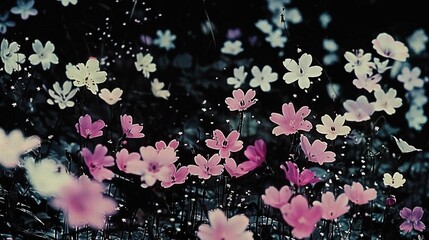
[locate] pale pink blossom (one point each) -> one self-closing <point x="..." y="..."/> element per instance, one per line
<point x="276" y="198"/>
<point x="256" y="154"/>
<point x="387" y="47"/>
<point x="156" y="164"/>
<point x="97" y="161"/>
<point x="240" y="101"/>
<point x="368" y="83"/>
<point x="225" y="145"/>
<point x="206" y="168"/>
<point x="129" y="129"/>
<point x="177" y="176"/>
<point x="88" y="129"/>
<point x="316" y="152"/>
<point x="299" y="179"/>
<point x="129" y="162"/>
<point x="162" y="145"/>
<point x="359" y="110"/>
<point x="233" y="169"/>
<point x="332" y="209"/>
<point x="291" y="122"/>
<point x="358" y="195"/>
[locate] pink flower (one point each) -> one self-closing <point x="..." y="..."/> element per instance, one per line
<point x="256" y="155"/>
<point x="162" y="145"/>
<point x="301" y="217"/>
<point x="232" y="168"/>
<point x="97" y="161"/>
<point x="299" y="179"/>
<point x="412" y="219"/>
<point x="176" y="176"/>
<point x="129" y="129"/>
<point x="156" y="164"/>
<point x="225" y="145"/>
<point x="358" y="195"/>
<point x="241" y="102"/>
<point x="222" y="228"/>
<point x="82" y="202"/>
<point x="368" y="83"/>
<point x="129" y="162"/>
<point x="88" y="129"/>
<point x="291" y="122"/>
<point x="332" y="209"/>
<point x="387" y="47"/>
<point x="276" y="198"/>
<point x="316" y="152"/>
<point x="205" y="169"/>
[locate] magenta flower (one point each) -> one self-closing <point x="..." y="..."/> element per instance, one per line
<point x="205" y="169"/>
<point x="129" y="162"/>
<point x="233" y="169"/>
<point x="156" y="164"/>
<point x="316" y="152"/>
<point x="176" y="176"/>
<point x="222" y="228"/>
<point x="276" y="198"/>
<point x="88" y="129"/>
<point x="299" y="179"/>
<point x="97" y="161"/>
<point x="412" y="219"/>
<point x="301" y="217"/>
<point x="225" y="145"/>
<point x="291" y="122"/>
<point x="358" y="195"/>
<point x="240" y="101"/>
<point x="256" y="155"/>
<point x="162" y="145"/>
<point x="83" y="202"/>
<point x="129" y="129"/>
<point x="332" y="209"/>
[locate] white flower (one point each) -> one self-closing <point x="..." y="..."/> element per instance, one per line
<point x="417" y="97"/>
<point x="404" y="146"/>
<point x="386" y="46"/>
<point x="381" y="66"/>
<point x="144" y="64"/>
<point x="417" y="41"/>
<point x="416" y="118"/>
<point x="359" y="110"/>
<point x="359" y="62"/>
<point x="111" y="97"/>
<point x="232" y="47"/>
<point x="276" y="39"/>
<point x="66" y="2"/>
<point x="47" y="177"/>
<point x="88" y="75"/>
<point x="44" y="55"/>
<point x="25" y="9"/>
<point x="396" y="181"/>
<point x="63" y="96"/>
<point x="165" y="39"/>
<point x="293" y="15"/>
<point x="387" y="101"/>
<point x="301" y="72"/>
<point x="10" y="56"/>
<point x="13" y="145"/>
<point x="411" y="78"/>
<point x="239" y="77"/>
<point x="263" y="78"/>
<point x="330" y="45"/>
<point x="333" y="128"/>
<point x="264" y="26"/>
<point x="157" y="90"/>
<point x="325" y="18"/>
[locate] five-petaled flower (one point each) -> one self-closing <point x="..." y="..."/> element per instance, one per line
<point x="315" y="152"/>
<point x="301" y="72"/>
<point x="333" y="128"/>
<point x="262" y="78"/>
<point x="43" y="55"/>
<point x="177" y="176"/>
<point x="206" y="168"/>
<point x="225" y="145"/>
<point x="277" y="198"/>
<point x="144" y="64"/>
<point x="358" y="195"/>
<point x="295" y="177"/>
<point x="359" y="110"/>
<point x="359" y="62"/>
<point x="88" y="129"/>
<point x="156" y="164"/>
<point x="291" y="122"/>
<point x="332" y="209"/>
<point x="412" y="219"/>
<point x="129" y="129"/>
<point x="97" y="161"/>
<point x="387" y="101"/>
<point x="88" y="75"/>
<point x="240" y="101"/>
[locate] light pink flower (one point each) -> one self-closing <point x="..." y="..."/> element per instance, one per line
<point x="162" y="145"/>
<point x="387" y="47"/>
<point x="332" y="209"/>
<point x="316" y="152"/>
<point x="83" y="202"/>
<point x="176" y="176"/>
<point x="129" y="129"/>
<point x="129" y="162"/>
<point x="276" y="198"/>
<point x="240" y="101"/>
<point x="232" y="168"/>
<point x="206" y="168"/>
<point x="291" y="122"/>
<point x="88" y="129"/>
<point x="359" y="110"/>
<point x="358" y="195"/>
<point x="225" y="145"/>
<point x="156" y="164"/>
<point x="368" y="83"/>
<point x="256" y="155"/>
<point x="222" y="228"/>
<point x="299" y="179"/>
<point x="97" y="161"/>
<point x="301" y="217"/>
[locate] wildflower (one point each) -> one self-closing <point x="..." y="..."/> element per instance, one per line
<point x="13" y="145"/>
<point x="417" y="41"/>
<point x="387" y="47"/>
<point x="368" y="83"/>
<point x="165" y="39"/>
<point x="157" y="89"/>
<point x="239" y="77"/>
<point x="324" y="19"/>
<point x="222" y="228"/>
<point x="206" y="168"/>
<point x="277" y="198"/>
<point x="177" y="176"/>
<point x="359" y="110"/>
<point x="144" y="64"/>
<point x="5" y="23"/>
<point x="111" y="97"/>
<point x="411" y="78"/>
<point x="390" y="200"/>
<point x="416" y="117"/>
<point x="129" y="162"/>
<point x="129" y="129"/>
<point x="276" y="38"/>
<point x="10" y="56"/>
<point x="65" y="3"/>
<point x="263" y="78"/>
<point x="88" y="75"/>
<point x="359" y="62"/>
<point x="387" y="101"/>
<point x="233" y="169"/>
<point x="88" y="129"/>
<point x="358" y="195"/>
<point x="404" y="146"/>
<point x="381" y="66"/>
<point x="240" y="101"/>
<point x="97" y="161"/>
<point x="396" y="181"/>
<point x="264" y="26"/>
<point x="255" y="154"/>
<point x="24" y="8"/>
<point x="156" y="164"/>
<point x="225" y="145"/>
<point x="333" y="209"/>
<point x="62" y="96"/>
<point x="333" y="128"/>
<point x="315" y="152"/>
<point x="232" y="47"/>
<point x="44" y="55"/>
<point x="299" y="179"/>
<point x="160" y="145"/>
<point x="301" y="72"/>
<point x="233" y="33"/>
<point x="412" y="219"/>
<point x="291" y="122"/>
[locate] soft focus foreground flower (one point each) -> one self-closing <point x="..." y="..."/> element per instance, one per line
<point x="301" y="72"/>
<point x="359" y="110"/>
<point x="165" y="39"/>
<point x="232" y="47"/>
<point x="396" y="181"/>
<point x="301" y="217"/>
<point x="333" y="128"/>
<point x="88" y="129"/>
<point x="10" y="56"/>
<point x="177" y="176"/>
<point x="255" y="154"/>
<point x="332" y="209"/>
<point x="387" y="102"/>
<point x="43" y="55"/>
<point x="315" y="152"/>
<point x="222" y="228"/>
<point x="156" y="164"/>
<point x="387" y="47"/>
<point x="13" y="145"/>
<point x="129" y="162"/>
<point x="111" y="97"/>
<point x="97" y="161"/>
<point x="241" y="101"/>
<point x="206" y="168"/>
<point x="225" y="145"/>
<point x="412" y="219"/>
<point x="129" y="129"/>
<point x="404" y="146"/>
<point x="24" y="8"/>
<point x="62" y="96"/>
<point x="88" y="75"/>
<point x="239" y="77"/>
<point x="144" y="64"/>
<point x="83" y="202"/>
<point x="295" y="177"/>
<point x="411" y="78"/>
<point x="157" y="89"/>
<point x="358" y="195"/>
<point x="359" y="62"/>
<point x="291" y="122"/>
<point x="263" y="78"/>
<point x="277" y="198"/>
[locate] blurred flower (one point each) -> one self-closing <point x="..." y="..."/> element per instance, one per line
<point x="62" y="96"/>
<point x="277" y="198"/>
<point x="129" y="129"/>
<point x="240" y="101"/>
<point x="301" y="72"/>
<point x="206" y="168"/>
<point x="387" y="101"/>
<point x="144" y="64"/>
<point x="221" y="228"/>
<point x="88" y="129"/>
<point x="359" y="110"/>
<point x="129" y="162"/>
<point x="157" y="89"/>
<point x="264" y="26"/>
<point x="417" y="97"/>
<point x="390" y="200"/>
<point x="411" y="78"/>
<point x="263" y="78"/>
<point x="234" y="170"/>
<point x="417" y="41"/>
<point x="10" y="56"/>
<point x="358" y="195"/>
<point x="13" y="145"/>
<point x="24" y="8"/>
<point x="156" y="165"/>
<point x="97" y="161"/>
<point x="316" y="152"/>
<point x="299" y="179"/>
<point x="381" y="66"/>
<point x="387" y="47"/>
<point x="146" y="39"/>
<point x="291" y="122"/>
<point x="416" y="118"/>
<point x="88" y="75"/>
<point x="256" y="155"/>
<point x="368" y="83"/>
<point x="396" y="181"/>
<point x="404" y="146"/>
<point x="239" y="77"/>
<point x="293" y="15"/>
<point x="225" y="145"/>
<point x="111" y="97"/>
<point x="232" y="47"/>
<point x="330" y="45"/>
<point x="5" y="23"/>
<point x="208" y="27"/>
<point x="301" y="217"/>
<point x="333" y="90"/>
<point x="325" y="18"/>
<point x="359" y="62"/>
<point x="333" y="128"/>
<point x="412" y="219"/>
<point x="165" y="39"/>
<point x="176" y="176"/>
<point x="44" y="55"/>
<point x="333" y="209"/>
<point x="233" y="33"/>
<point x="276" y="38"/>
<point x="65" y="3"/>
